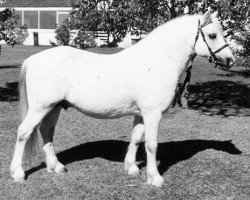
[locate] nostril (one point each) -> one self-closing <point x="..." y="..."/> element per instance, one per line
<point x="229" y="61"/>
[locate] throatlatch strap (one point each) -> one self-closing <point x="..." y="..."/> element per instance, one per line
<point x="197" y="34"/>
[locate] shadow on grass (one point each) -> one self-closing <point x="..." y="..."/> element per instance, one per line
<point x="10" y="66"/>
<point x="9" y="92"/>
<point x="168" y="153"/>
<point x="232" y="73"/>
<point x="224" y="98"/>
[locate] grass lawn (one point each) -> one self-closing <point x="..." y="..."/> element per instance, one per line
<point x="204" y="151"/>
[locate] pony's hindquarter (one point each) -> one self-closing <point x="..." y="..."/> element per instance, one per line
<point x="26" y="143"/>
<point x="36" y="111"/>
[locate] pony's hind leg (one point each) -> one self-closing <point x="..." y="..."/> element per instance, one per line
<point x="25" y="132"/>
<point x="136" y="136"/>
<point x="47" y="129"/>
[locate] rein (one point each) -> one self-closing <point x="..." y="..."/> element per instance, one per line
<point x="212" y="58"/>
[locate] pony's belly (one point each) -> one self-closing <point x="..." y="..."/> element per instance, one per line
<point x="106" y="110"/>
<point x="108" y="113"/>
<point x="102" y="98"/>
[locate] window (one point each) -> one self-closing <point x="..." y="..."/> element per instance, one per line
<point x="42" y="19"/>
<point x="31" y="19"/>
<point x="19" y="20"/>
<point x="61" y="17"/>
<point x="47" y="19"/>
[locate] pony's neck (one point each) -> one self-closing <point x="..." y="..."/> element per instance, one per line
<point x="172" y="43"/>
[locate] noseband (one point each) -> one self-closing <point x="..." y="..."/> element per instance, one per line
<point x="212" y="58"/>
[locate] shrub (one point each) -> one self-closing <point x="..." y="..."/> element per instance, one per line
<point x="84" y="40"/>
<point x="21" y="34"/>
<point x="67" y="34"/>
<point x="16" y="36"/>
<point x="63" y="33"/>
<point x="8" y="30"/>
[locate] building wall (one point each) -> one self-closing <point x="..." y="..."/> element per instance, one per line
<point x="42" y="21"/>
<point x="45" y="36"/>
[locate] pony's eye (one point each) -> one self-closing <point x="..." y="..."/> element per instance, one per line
<point x="212" y="36"/>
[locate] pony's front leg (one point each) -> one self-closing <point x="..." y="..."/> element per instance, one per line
<point x="151" y="122"/>
<point x="136" y="136"/>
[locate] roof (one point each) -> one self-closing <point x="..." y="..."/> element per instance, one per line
<point x="36" y="3"/>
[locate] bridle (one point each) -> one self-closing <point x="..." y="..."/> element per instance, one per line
<point x="212" y="58"/>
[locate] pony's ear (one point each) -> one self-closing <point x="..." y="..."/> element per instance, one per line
<point x="206" y="16"/>
<point x="215" y="14"/>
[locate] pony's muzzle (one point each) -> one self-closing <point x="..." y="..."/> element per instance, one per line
<point x="226" y="62"/>
<point x="230" y="61"/>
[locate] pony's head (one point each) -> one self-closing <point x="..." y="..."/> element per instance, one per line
<point x="210" y="42"/>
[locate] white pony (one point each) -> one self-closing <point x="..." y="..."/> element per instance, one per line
<point x="139" y="81"/>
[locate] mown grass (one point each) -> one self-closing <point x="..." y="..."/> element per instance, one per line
<point x="203" y="151"/>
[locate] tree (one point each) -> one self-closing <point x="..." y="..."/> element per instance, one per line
<point x="147" y="15"/>
<point x="8" y="30"/>
<point x="99" y="15"/>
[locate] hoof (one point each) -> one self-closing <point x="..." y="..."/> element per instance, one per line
<point x="133" y="170"/>
<point x="156" y="181"/>
<point x="18" y="175"/>
<point x="60" y="169"/>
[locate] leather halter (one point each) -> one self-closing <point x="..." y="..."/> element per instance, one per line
<point x="212" y="58"/>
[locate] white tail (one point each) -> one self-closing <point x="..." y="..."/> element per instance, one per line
<point x="32" y="142"/>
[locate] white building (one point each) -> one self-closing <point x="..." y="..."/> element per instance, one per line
<point x="41" y="16"/>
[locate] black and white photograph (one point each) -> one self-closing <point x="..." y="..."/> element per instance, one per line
<point x="125" y="99"/>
